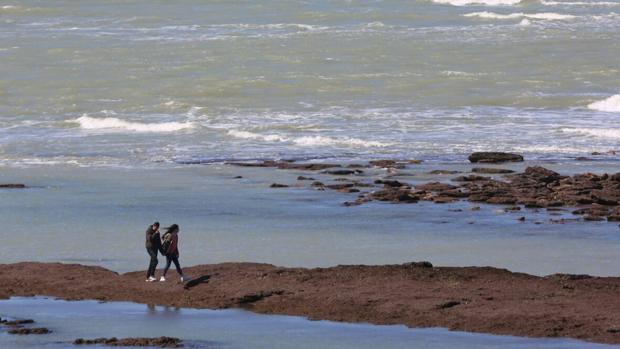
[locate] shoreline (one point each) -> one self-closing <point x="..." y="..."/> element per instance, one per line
<point x="472" y="299"/>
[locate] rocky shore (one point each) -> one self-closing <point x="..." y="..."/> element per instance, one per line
<point x="591" y="196"/>
<point x="476" y="299"/>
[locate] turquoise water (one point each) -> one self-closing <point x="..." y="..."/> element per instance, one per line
<point x="238" y="329"/>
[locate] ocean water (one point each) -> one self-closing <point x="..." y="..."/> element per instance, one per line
<point x="135" y="82"/>
<point x="120" y="113"/>
<point x="238" y="329"/>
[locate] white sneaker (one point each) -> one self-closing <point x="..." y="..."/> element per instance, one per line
<point x="151" y="279"/>
<point x="162" y="279"/>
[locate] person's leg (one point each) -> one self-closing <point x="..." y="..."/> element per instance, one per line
<point x="168" y="262"/>
<point x="152" y="264"/>
<point x="177" y="265"/>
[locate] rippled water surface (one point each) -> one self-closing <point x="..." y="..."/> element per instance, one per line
<point x="237" y="329"/>
<point x="134" y="82"/>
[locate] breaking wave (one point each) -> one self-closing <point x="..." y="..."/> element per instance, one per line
<point x="478" y="2"/>
<point x="115" y="124"/>
<point x="579" y="3"/>
<point x="609" y="133"/>
<point x="611" y="104"/>
<point x="309" y="141"/>
<point x="544" y="15"/>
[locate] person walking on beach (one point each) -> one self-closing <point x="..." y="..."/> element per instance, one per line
<point x="153" y="246"/>
<point x="170" y="247"/>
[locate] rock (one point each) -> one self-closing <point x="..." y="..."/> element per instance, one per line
<point x="386" y="164"/>
<point x="512" y="209"/>
<point x="444" y="199"/>
<point x="391" y="183"/>
<point x="278" y="185"/>
<point x="302" y="178"/>
<point x="162" y="342"/>
<point x="542" y="174"/>
<point x="494" y="157"/>
<point x="491" y="170"/>
<point x="342" y="172"/>
<point x="317" y="184"/>
<point x="443" y="172"/>
<point x="285" y="165"/>
<point x="382" y="163"/>
<point x="582" y="158"/>
<point x="502" y="200"/>
<point x="448" y="304"/>
<point x="18" y="322"/>
<point x="349" y="190"/>
<point x="396" y="195"/>
<point x="12" y="186"/>
<point x="470" y="178"/>
<point x="423" y="264"/>
<point x="435" y="186"/>
<point x="238" y="177"/>
<point x="28" y="331"/>
<point x="340" y="186"/>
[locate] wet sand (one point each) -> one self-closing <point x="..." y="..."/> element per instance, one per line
<point x="475" y="299"/>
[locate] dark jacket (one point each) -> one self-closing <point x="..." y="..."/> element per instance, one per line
<point x="153" y="241"/>
<point x="173" y="244"/>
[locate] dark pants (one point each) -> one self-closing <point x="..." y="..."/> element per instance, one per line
<point x="153" y="263"/>
<point x="171" y="259"/>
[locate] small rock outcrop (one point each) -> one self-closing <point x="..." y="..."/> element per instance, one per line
<point x="494" y="157"/>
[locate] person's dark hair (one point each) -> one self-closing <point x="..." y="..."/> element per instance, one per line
<point x="172" y="229"/>
<point x="156" y="224"/>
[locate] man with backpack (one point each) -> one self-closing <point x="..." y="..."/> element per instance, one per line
<point x="153" y="246"/>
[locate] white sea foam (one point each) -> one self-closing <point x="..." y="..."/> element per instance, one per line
<point x="542" y="16"/>
<point x="309" y="141"/>
<point x="525" y="22"/>
<point x="579" y="3"/>
<point x="340" y="141"/>
<point x="256" y="136"/>
<point x="308" y="27"/>
<point x="116" y="124"/>
<point x="611" y="104"/>
<point x="609" y="133"/>
<point x="479" y="2"/>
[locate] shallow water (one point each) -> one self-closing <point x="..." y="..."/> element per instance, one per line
<point x="237" y="329"/>
<point x="99" y="215"/>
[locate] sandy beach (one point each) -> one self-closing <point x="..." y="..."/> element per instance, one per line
<point x="475" y="299"/>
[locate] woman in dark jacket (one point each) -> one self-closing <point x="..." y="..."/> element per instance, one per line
<point x="153" y="246"/>
<point x="171" y="250"/>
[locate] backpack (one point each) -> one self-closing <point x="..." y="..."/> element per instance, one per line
<point x="167" y="240"/>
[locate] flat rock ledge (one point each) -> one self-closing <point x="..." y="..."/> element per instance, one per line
<point x="474" y="299"/>
<point x="161" y="342"/>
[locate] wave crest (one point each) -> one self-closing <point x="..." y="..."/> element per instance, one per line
<point x="611" y="104"/>
<point x="478" y="2"/>
<point x="613" y="133"/>
<point x="90" y="123"/>
<point x="309" y="141"/>
<point x="544" y="15"/>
